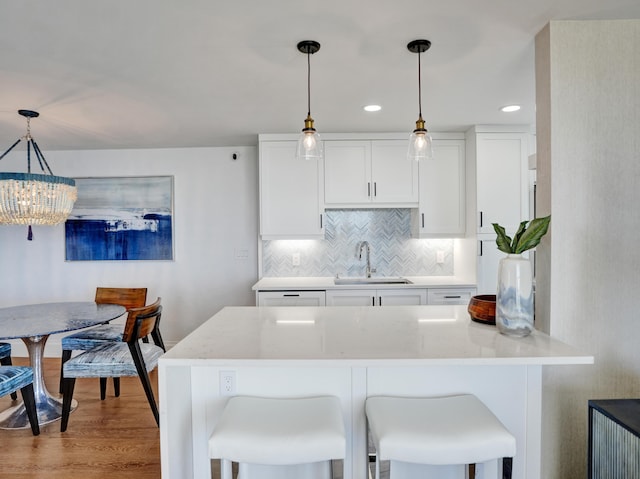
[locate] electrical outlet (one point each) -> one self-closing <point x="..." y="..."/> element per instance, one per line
<point x="227" y="383"/>
<point x="440" y="257"/>
<point x="295" y="259"/>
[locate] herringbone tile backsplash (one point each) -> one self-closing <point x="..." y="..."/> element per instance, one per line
<point x="388" y="231"/>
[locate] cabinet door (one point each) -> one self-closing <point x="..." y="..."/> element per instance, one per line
<point x="502" y="180"/>
<point x="380" y="297"/>
<point x="347" y="172"/>
<point x="291" y="193"/>
<point x="442" y="192"/>
<point x="291" y="298"/>
<point x="488" y="258"/>
<point x="401" y="297"/>
<point x="394" y="177"/>
<point x="351" y="297"/>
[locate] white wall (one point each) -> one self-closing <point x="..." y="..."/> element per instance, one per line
<point x="215" y="215"/>
<point x="588" y="129"/>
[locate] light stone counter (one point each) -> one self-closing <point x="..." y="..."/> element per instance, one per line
<point x="311" y="283"/>
<point x="352" y="353"/>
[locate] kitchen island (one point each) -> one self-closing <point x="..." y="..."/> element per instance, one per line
<point x="352" y="353"/>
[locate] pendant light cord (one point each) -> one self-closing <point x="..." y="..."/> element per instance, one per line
<point x="308" y="82"/>
<point x="419" y="86"/>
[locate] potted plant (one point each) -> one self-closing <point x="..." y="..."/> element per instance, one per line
<point x="514" y="297"/>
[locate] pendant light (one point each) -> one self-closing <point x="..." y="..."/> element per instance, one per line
<point x="34" y="199"/>
<point x="420" y="143"/>
<point x="309" y="143"/>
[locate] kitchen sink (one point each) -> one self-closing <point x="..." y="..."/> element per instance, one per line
<point x="375" y="280"/>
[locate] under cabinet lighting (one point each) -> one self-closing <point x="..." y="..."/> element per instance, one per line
<point x="372" y="108"/>
<point x="295" y="321"/>
<point x="437" y="320"/>
<point x="510" y="108"/>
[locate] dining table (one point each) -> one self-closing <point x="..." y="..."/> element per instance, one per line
<point x="33" y="324"/>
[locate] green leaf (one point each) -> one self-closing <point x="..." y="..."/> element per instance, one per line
<point x="533" y="234"/>
<point x="516" y="238"/>
<point x="502" y="240"/>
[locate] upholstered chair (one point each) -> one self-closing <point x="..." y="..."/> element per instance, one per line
<point x="13" y="378"/>
<point x="128" y="357"/>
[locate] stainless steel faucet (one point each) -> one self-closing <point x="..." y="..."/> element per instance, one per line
<point x="365" y="245"/>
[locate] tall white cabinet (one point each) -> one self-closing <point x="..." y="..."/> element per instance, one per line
<point x="502" y="191"/>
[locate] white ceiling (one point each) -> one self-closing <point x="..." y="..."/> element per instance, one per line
<point x="177" y="73"/>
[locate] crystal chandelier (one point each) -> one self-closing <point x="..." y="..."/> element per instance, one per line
<point x="34" y="199"/>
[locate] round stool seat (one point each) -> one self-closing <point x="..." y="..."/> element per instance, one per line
<point x="274" y="431"/>
<point x="437" y="431"/>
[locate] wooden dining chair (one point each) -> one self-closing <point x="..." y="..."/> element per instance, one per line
<point x="128" y="357"/>
<point x="13" y="378"/>
<point x="92" y="337"/>
<point x="5" y="360"/>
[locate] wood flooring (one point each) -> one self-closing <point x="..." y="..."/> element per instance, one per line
<point x="116" y="438"/>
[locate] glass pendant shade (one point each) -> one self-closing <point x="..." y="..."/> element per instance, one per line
<point x="420" y="145"/>
<point x="309" y="143"/>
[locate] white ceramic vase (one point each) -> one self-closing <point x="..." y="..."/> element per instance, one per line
<point x="514" y="298"/>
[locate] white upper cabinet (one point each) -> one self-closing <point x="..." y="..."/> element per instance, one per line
<point x="502" y="180"/>
<point x="291" y="193"/>
<point x="441" y="211"/>
<point x="373" y="173"/>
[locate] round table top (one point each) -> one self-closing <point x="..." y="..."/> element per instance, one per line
<point x="50" y="318"/>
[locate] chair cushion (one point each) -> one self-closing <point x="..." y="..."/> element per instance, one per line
<point x="13" y="378"/>
<point x="437" y="431"/>
<point x="5" y="350"/>
<point x="92" y="337"/>
<point x="274" y="431"/>
<point x="110" y="360"/>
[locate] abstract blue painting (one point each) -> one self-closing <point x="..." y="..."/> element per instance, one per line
<point x="120" y="219"/>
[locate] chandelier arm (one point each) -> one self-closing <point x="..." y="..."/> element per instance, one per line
<point x="40" y="156"/>
<point x="29" y="155"/>
<point x="11" y="148"/>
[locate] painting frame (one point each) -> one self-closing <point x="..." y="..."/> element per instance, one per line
<point x="122" y="218"/>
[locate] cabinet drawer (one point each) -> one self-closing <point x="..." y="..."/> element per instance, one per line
<point x="450" y="296"/>
<point x="291" y="298"/>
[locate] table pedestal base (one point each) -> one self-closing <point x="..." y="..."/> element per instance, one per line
<point x="49" y="407"/>
<point x="49" y="410"/>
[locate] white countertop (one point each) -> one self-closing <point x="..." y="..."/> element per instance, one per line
<point x="309" y="283"/>
<point x="361" y="336"/>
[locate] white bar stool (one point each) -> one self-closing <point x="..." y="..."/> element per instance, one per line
<point x="438" y="431"/>
<point x="278" y="431"/>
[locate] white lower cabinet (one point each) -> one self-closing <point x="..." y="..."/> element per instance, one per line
<point x="291" y="298"/>
<point x="366" y="297"/>
<point x="376" y="297"/>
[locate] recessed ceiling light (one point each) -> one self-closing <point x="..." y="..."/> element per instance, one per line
<point x="372" y="108"/>
<point x="510" y="108"/>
